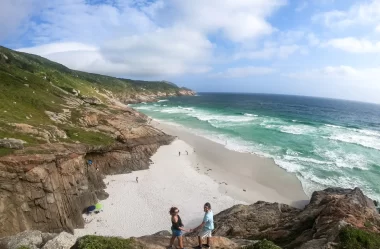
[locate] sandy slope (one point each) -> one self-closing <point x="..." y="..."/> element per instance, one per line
<point x="136" y="209"/>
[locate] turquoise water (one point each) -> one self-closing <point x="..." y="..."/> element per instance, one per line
<point x="324" y="142"/>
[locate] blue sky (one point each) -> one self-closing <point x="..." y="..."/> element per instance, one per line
<point x="328" y="48"/>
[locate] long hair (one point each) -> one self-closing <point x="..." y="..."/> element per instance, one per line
<point x="173" y="209"/>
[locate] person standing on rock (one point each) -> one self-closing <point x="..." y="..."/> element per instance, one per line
<point x="177" y="228"/>
<point x="206" y="227"/>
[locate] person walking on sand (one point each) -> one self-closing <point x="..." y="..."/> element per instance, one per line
<point x="177" y="228"/>
<point x="187" y="153"/>
<point x="179" y="153"/>
<point x="137" y="179"/>
<point x="206" y="226"/>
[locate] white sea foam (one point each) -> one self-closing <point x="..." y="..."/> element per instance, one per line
<point x="330" y="143"/>
<point x="297" y="129"/>
<point x="301" y="159"/>
<point x="250" y="115"/>
<point x="288" y="166"/>
<point x="143" y="107"/>
<point x="363" y="140"/>
<point x="222" y="118"/>
<point x="163" y="100"/>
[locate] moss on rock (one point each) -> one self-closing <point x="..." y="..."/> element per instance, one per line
<point x="264" y="244"/>
<point x="354" y="238"/>
<point x="99" y="242"/>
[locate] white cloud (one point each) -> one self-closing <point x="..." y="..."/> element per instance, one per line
<point x="242" y="72"/>
<point x="56" y="48"/>
<point x="313" y="40"/>
<point x="238" y="20"/>
<point x="145" y="38"/>
<point x="164" y="52"/>
<point x="13" y="13"/>
<point x="359" y="76"/>
<point x="269" y="52"/>
<point x="354" y="45"/>
<point x="363" y="13"/>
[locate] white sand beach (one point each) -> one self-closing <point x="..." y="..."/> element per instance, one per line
<point x="209" y="173"/>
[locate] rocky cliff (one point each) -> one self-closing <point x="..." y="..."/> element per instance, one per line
<point x="52" y="121"/>
<point x="334" y="219"/>
<point x="45" y="187"/>
<point x="319" y="225"/>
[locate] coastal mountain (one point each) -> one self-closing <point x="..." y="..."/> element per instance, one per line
<point x="62" y="131"/>
<point x="53" y="120"/>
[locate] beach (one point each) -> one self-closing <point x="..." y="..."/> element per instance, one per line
<point x="203" y="172"/>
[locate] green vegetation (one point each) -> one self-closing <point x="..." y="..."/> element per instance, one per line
<point x="98" y="242"/>
<point x="353" y="238"/>
<point x="5" y="151"/>
<point x="23" y="247"/>
<point x="263" y="244"/>
<point x="88" y="137"/>
<point x="31" y="85"/>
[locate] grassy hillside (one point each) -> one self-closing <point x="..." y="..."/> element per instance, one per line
<point x="31" y="85"/>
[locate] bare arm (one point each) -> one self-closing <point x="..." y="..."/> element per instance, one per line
<point x="180" y="228"/>
<point x="200" y="226"/>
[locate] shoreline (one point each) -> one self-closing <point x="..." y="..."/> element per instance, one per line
<point x="137" y="209"/>
<point x="262" y="179"/>
<point x="202" y="173"/>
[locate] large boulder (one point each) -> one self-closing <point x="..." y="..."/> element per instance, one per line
<point x="316" y="226"/>
<point x="62" y="241"/>
<point x="92" y="100"/>
<point x="12" y="143"/>
<point x="243" y="221"/>
<point x="29" y="239"/>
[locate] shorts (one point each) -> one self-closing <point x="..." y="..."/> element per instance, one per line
<point x="176" y="233"/>
<point x="205" y="233"/>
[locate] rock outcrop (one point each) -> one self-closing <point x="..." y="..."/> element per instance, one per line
<point x="46" y="187"/>
<point x="12" y="143"/>
<point x="316" y="226"/>
<point x="38" y="240"/>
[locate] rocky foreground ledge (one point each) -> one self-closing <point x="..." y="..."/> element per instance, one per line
<point x="334" y="218"/>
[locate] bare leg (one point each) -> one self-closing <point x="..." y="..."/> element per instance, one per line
<point x="209" y="241"/>
<point x="200" y="241"/>
<point x="172" y="241"/>
<point x="180" y="242"/>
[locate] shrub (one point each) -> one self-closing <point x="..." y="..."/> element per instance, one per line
<point x="353" y="238"/>
<point x="99" y="242"/>
<point x="263" y="244"/>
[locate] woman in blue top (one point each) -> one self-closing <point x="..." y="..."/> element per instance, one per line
<point x="177" y="228"/>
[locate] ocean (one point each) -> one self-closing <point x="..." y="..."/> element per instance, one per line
<point x="324" y="142"/>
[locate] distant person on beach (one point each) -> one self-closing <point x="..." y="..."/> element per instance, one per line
<point x="206" y="227"/>
<point x="137" y="179"/>
<point x="187" y="153"/>
<point x="177" y="228"/>
<point x="179" y="153"/>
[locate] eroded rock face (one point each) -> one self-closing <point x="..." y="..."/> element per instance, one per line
<point x="46" y="187"/>
<point x="316" y="226"/>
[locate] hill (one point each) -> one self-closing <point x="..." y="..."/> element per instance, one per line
<point x="42" y="93"/>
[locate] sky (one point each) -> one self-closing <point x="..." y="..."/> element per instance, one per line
<point x="326" y="48"/>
